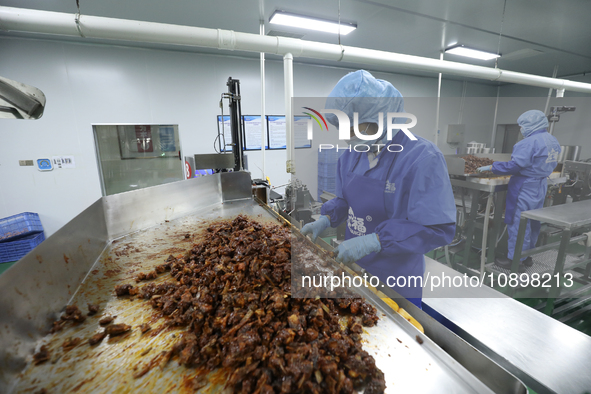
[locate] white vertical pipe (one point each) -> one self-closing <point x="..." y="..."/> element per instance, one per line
<point x="550" y="90"/>
<point x="493" y="139"/>
<point x="438" y="101"/>
<point x="288" y="87"/>
<point x="263" y="122"/>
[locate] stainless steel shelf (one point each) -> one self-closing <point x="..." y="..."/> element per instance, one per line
<point x="566" y="216"/>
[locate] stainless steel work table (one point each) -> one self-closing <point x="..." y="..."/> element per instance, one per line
<point x="567" y="217"/>
<point x="497" y="193"/>
<point x="545" y="354"/>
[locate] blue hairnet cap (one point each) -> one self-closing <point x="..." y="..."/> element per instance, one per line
<point x="532" y="120"/>
<point x="360" y="92"/>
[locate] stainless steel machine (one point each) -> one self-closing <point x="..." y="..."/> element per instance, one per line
<point x="123" y="233"/>
<point x="578" y="186"/>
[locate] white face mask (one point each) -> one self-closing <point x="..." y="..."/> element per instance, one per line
<point x="358" y="141"/>
<point x="372" y="144"/>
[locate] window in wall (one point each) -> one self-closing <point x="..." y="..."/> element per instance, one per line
<point x="132" y="157"/>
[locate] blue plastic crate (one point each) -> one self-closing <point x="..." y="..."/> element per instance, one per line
<point x="20" y="225"/>
<point x="326" y="184"/>
<point x="15" y="250"/>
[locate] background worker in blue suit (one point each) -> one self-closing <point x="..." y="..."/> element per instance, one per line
<point x="532" y="160"/>
<point x="398" y="206"/>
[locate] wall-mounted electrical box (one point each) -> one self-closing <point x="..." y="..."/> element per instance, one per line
<point x="455" y="133"/>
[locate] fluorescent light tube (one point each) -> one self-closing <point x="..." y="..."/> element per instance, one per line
<point x="461" y="50"/>
<point x="305" y="22"/>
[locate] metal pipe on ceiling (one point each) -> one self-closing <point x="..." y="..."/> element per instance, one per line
<point x="46" y="22"/>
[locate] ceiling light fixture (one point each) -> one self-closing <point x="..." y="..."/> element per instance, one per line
<point x="461" y="50"/>
<point x="306" y="22"/>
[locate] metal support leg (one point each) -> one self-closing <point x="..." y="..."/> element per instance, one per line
<point x="497" y="224"/>
<point x="519" y="245"/>
<point x="558" y="269"/>
<point x="518" y="249"/>
<point x="471" y="225"/>
<point x="588" y="267"/>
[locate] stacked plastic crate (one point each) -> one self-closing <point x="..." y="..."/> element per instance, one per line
<point x="327" y="170"/>
<point x="19" y="234"/>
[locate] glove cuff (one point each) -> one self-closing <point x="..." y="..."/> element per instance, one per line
<point x="324" y="220"/>
<point x="375" y="242"/>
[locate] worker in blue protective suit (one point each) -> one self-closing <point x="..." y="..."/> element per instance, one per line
<point x="532" y="160"/>
<point x="398" y="206"/>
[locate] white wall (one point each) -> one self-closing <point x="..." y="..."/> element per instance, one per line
<point x="86" y="84"/>
<point x="573" y="128"/>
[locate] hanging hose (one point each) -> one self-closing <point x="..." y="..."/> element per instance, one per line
<point x="501" y="237"/>
<point x="447" y="260"/>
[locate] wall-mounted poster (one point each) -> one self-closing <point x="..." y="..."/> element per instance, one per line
<point x="225" y="133"/>
<point x="144" y="141"/>
<point x="143" y="135"/>
<point x="276" y="132"/>
<point x="167" y="139"/>
<point x="252" y="132"/>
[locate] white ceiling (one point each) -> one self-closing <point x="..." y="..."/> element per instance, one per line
<point x="556" y="33"/>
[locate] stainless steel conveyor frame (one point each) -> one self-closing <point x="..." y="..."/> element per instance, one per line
<point x="37" y="288"/>
<point x="547" y="355"/>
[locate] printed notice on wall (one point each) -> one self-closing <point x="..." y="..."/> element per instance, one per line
<point x="63" y="162"/>
<point x="225" y="133"/>
<point x="300" y="132"/>
<point x="276" y="132"/>
<point x="252" y="132"/>
<point x="167" y="140"/>
<point x="277" y="135"/>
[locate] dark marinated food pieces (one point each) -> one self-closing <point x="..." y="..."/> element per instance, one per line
<point x="72" y="314"/>
<point x="41" y="356"/>
<point x="117" y="329"/>
<point x="473" y="162"/>
<point x="106" y="320"/>
<point x="96" y="338"/>
<point x="122" y="290"/>
<point x="71" y="343"/>
<point x="233" y="293"/>
<point x="146" y="276"/>
<point x="92" y="309"/>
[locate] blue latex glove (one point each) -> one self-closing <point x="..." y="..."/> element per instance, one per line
<point x="353" y="249"/>
<point x="317" y="227"/>
<point x="485" y="168"/>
